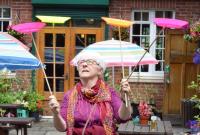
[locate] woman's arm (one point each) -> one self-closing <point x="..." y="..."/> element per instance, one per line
<point x="125" y="112"/>
<point x="59" y="122"/>
<point x="125" y="109"/>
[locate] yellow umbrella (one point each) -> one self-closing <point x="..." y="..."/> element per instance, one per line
<point x="117" y="22"/>
<point x="53" y="19"/>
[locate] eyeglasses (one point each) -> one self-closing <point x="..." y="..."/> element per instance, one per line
<point x="88" y="62"/>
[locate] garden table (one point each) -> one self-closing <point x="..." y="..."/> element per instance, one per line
<point x="19" y="123"/>
<point x="163" y="128"/>
<point x="12" y="108"/>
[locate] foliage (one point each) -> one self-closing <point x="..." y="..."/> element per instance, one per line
<point x="15" y="34"/>
<point x="196" y="86"/>
<point x="5" y="81"/>
<point x="2" y="112"/>
<point x="193" y="32"/>
<point x="124" y="33"/>
<point x="144" y="109"/>
<point x="31" y="100"/>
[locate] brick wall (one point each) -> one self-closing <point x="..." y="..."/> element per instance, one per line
<point x="22" y="8"/>
<point x="185" y="9"/>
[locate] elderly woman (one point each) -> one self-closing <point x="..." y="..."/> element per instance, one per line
<point x="91" y="107"/>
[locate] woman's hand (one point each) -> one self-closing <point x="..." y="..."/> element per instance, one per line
<point x="125" y="90"/>
<point x="54" y="105"/>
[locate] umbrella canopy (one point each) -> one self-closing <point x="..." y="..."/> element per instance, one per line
<point x="53" y="19"/>
<point x="28" y="28"/>
<point x="117" y="22"/>
<point x="14" y="55"/>
<point x="110" y="51"/>
<point x="171" y="23"/>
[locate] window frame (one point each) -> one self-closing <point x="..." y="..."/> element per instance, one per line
<point x="9" y="19"/>
<point x="152" y="75"/>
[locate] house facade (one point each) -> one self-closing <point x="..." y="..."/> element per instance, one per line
<point x="149" y="82"/>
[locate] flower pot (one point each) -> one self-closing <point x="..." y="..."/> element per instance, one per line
<point x="144" y="120"/>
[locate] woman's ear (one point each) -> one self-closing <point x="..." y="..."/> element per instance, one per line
<point x="100" y="73"/>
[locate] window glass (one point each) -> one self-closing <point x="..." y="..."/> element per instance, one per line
<point x="5" y="19"/>
<point x="137" y="16"/>
<point x="168" y="14"/>
<point x="6" y="12"/>
<point x="145" y="16"/>
<point x="48" y="40"/>
<point x="50" y="80"/>
<point x="60" y="40"/>
<point x="136" y="29"/>
<point x="5" y="25"/>
<point x="59" y="85"/>
<point x="159" y="14"/>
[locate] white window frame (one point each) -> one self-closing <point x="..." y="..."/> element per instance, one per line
<point x="152" y="75"/>
<point x="9" y="19"/>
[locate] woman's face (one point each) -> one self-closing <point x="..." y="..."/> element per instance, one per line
<point x="89" y="69"/>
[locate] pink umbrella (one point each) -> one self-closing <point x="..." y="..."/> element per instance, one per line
<point x="28" y="28"/>
<point x="170" y="23"/>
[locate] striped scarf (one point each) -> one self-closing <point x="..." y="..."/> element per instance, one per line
<point x="103" y="99"/>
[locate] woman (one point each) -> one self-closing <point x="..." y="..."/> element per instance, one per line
<point x="91" y="107"/>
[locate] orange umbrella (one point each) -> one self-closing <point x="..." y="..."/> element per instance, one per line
<point x="117" y="22"/>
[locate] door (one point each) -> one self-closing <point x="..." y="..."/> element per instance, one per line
<point x="178" y="55"/>
<point x="57" y="46"/>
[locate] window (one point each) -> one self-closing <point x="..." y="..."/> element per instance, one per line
<point x="5" y="18"/>
<point x="143" y="32"/>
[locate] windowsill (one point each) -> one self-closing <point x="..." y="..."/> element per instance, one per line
<point x="147" y="79"/>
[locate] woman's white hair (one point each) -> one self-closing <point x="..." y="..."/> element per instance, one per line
<point x="90" y="55"/>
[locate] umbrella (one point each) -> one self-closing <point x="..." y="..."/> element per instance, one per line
<point x="170" y="23"/>
<point x="14" y="55"/>
<point x="117" y="22"/>
<point x="110" y="51"/>
<point x="53" y="19"/>
<point x="28" y="27"/>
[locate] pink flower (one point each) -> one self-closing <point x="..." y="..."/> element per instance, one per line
<point x="144" y="109"/>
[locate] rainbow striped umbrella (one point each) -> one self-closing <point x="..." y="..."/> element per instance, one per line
<point x="110" y="51"/>
<point x="14" y="55"/>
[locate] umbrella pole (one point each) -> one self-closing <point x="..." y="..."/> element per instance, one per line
<point x="145" y="52"/>
<point x="37" y="52"/>
<point x="126" y="100"/>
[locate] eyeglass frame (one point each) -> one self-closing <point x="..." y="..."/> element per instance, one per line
<point x="88" y="62"/>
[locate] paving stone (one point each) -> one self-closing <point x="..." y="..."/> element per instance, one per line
<point x="46" y="127"/>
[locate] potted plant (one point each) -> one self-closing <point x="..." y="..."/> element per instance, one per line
<point x="196" y="98"/>
<point x="32" y="102"/>
<point x="145" y="112"/>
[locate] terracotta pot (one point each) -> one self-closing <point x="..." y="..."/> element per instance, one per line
<point x="144" y="120"/>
